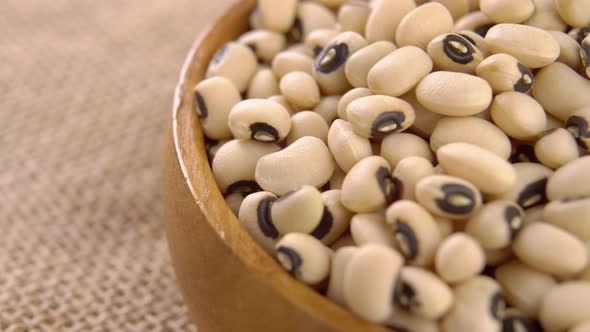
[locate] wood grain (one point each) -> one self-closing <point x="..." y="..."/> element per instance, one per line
<point x="228" y="282"/>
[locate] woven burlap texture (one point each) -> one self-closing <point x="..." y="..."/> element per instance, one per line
<point x="85" y="91"/>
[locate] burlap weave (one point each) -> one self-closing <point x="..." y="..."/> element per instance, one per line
<point x="85" y="90"/>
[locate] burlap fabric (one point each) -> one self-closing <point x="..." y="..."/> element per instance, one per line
<point x="85" y="90"/>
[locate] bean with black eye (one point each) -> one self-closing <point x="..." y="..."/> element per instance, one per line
<point x="346" y="145"/>
<point x="316" y="40"/>
<point x="367" y="228"/>
<point x="524" y="287"/>
<point x="378" y="115"/>
<point x="406" y="321"/>
<point x="385" y="18"/>
<point x="264" y="84"/>
<point x="422" y="24"/>
<point x="504" y="73"/>
<point x="550" y="249"/>
<point x="313" y="16"/>
<point x="277" y="16"/>
<point x="454" y="52"/>
<point x="546" y="17"/>
<point x="328" y="108"/>
<point x="306" y="161"/>
<point x="399" y="72"/>
<point x="459" y="258"/>
<point x="570" y="181"/>
<point x="304" y="257"/>
<point x="565" y="305"/>
<point x="560" y="90"/>
<point x="348" y="98"/>
<point x="245" y="154"/>
<point x="556" y="147"/>
<point x="476" y="40"/>
<point x="369" y="281"/>
<point x="335" y="214"/>
<point x="423" y="293"/>
<point x="585" y="56"/>
<point x="523" y="153"/>
<point x="307" y="123"/>
<point x="289" y="61"/>
<point x="478" y="306"/>
<point x="472" y="22"/>
<point x="496" y="224"/>
<point x="301" y="211"/>
<point x="579" y="33"/>
<point x="529" y="190"/>
<point x="507" y="11"/>
<point x="265" y="43"/>
<point x="214" y="99"/>
<point x="518" y="115"/>
<point x="569" y="49"/>
<point x="368" y="186"/>
<point x="328" y="67"/>
<point x="357" y="68"/>
<point x="234" y="200"/>
<point x="260" y="120"/>
<point x="353" y="16"/>
<point x="254" y="215"/>
<point x="409" y="171"/>
<point x="236" y="62"/>
<point x="571" y="215"/>
<point x="517" y="322"/>
<point x="340" y="260"/>
<point x="300" y="89"/>
<point x="416" y="233"/>
<point x="448" y="196"/>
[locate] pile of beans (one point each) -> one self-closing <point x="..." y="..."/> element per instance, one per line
<point x="423" y="164"/>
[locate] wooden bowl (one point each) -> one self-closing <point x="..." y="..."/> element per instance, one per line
<point x="228" y="282"/>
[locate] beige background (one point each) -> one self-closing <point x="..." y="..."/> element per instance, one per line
<point x="85" y="88"/>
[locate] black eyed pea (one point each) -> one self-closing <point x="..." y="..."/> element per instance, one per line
<point x="277" y="16"/>
<point x="313" y="16"/>
<point x="415" y="231"/>
<point x="301" y="211"/>
<point x="561" y="90"/>
<point x="409" y="171"/>
<point x="353" y="16"/>
<point x="214" y="99"/>
<point x="454" y="94"/>
<point x="518" y="115"/>
<point x="289" y="61"/>
<point x="346" y="146"/>
<point x="405" y="321"/>
<point x="581" y="327"/>
<point x="368" y="186"/>
<point x="348" y="98"/>
<point x="496" y="224"/>
<point x="423" y="293"/>
<point x="453" y="52"/>
<point x="246" y="154"/>
<point x="531" y="181"/>
<point x="546" y="16"/>
<point x="585" y="56"/>
<point x="369" y="281"/>
<point x="556" y="147"/>
<point x="523" y="153"/>
<point x="478" y="306"/>
<point x="328" y="108"/>
<point x="550" y="249"/>
<point x="459" y="258"/>
<point x="515" y="321"/>
<point x="306" y="161"/>
<point x="473" y="21"/>
<point x="570" y="181"/>
<point x="498" y="256"/>
<point x="328" y="67"/>
<point x="425" y="119"/>
<point x="254" y="216"/>
<point x="335" y="214"/>
<point x="398" y="146"/>
<point x="569" y="49"/>
<point x="448" y="196"/>
<point x="504" y="73"/>
<point x="570" y="215"/>
<point x="379" y="116"/>
<point x="236" y="62"/>
<point x="507" y="11"/>
<point x="340" y="260"/>
<point x="422" y="24"/>
<point x="307" y="123"/>
<point x="533" y="47"/>
<point x="300" y="89"/>
<point x="524" y="287"/>
<point x="476" y="40"/>
<point x="318" y="39"/>
<point x="304" y="257"/>
<point x="471" y="130"/>
<point x="576" y="13"/>
<point x="264" y="84"/>
<point x="358" y="66"/>
<point x="565" y="305"/>
<point x="260" y="120"/>
<point x="484" y="169"/>
<point x="265" y="43"/>
<point x="234" y="200"/>
<point x="457" y="8"/>
<point x="579" y="33"/>
<point x="399" y="72"/>
<point x="367" y="228"/>
<point x="385" y="18"/>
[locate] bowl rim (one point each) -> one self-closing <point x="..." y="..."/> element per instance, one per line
<point x="189" y="150"/>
